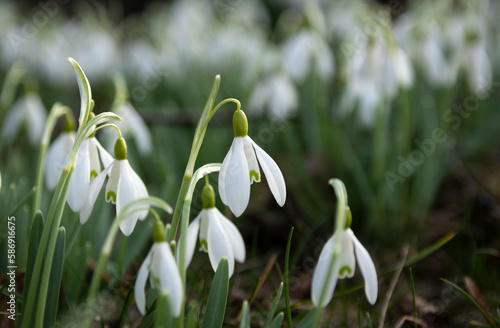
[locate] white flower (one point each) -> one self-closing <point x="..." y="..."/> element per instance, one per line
<point x="123" y="187"/>
<point x="56" y="157"/>
<point x="305" y="49"/>
<point x="87" y="167"/>
<point x="240" y="169"/>
<point x="133" y="124"/>
<point x="218" y="236"/>
<point x="343" y="267"/>
<point x="28" y="109"/>
<point x="277" y="94"/>
<point x="164" y="275"/>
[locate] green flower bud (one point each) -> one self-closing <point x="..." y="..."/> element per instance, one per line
<point x="69" y="125"/>
<point x="348" y="217"/>
<point x="240" y="124"/>
<point x="159" y="232"/>
<point x="208" y="197"/>
<point x="120" y="149"/>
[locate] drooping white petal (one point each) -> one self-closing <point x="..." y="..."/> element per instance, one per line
<point x="106" y="158"/>
<point x="347" y="261"/>
<point x="36" y="116"/>
<point x="56" y="156"/>
<point x="218" y="244"/>
<point x="141" y="190"/>
<point x="95" y="165"/>
<point x="126" y="193"/>
<point x="192" y="236"/>
<point x="164" y="268"/>
<point x="112" y="186"/>
<point x="233" y="234"/>
<point x="253" y="165"/>
<point x="319" y="286"/>
<point x="138" y="128"/>
<point x="94" y="189"/>
<point x="403" y="69"/>
<point x="236" y="180"/>
<point x="13" y="120"/>
<point x="367" y="269"/>
<point x="297" y="55"/>
<point x="140" y="284"/>
<point x="273" y="174"/>
<point x="222" y="174"/>
<point x="78" y="189"/>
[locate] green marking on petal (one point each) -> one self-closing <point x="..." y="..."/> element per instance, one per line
<point x="254" y="175"/>
<point x="111" y="195"/>
<point x="93" y="174"/>
<point x="344" y="269"/>
<point x="203" y="245"/>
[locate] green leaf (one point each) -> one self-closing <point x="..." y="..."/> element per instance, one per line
<point x="278" y="321"/>
<point x="287" y="284"/>
<point x="308" y="319"/>
<point x="85" y="92"/>
<point x="217" y="299"/>
<point x="192" y="319"/>
<point x="163" y="317"/>
<point x="34" y="241"/>
<point x="473" y="301"/>
<point x="245" y="316"/>
<point x="55" y="279"/>
<point x="276" y="302"/>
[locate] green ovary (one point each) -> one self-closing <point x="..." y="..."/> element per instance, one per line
<point x="111" y="195"/>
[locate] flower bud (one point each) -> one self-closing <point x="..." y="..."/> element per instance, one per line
<point x="240" y="124"/>
<point x="208" y="197"/>
<point x="120" y="149"/>
<point x="159" y="232"/>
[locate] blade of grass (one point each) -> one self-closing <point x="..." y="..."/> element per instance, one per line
<point x="163" y="317"/>
<point x="245" y="316"/>
<point x="276" y="302"/>
<point x="473" y="301"/>
<point x="413" y="296"/>
<point x="217" y="299"/>
<point x="278" y="321"/>
<point x="287" y="283"/>
<point x="55" y="279"/>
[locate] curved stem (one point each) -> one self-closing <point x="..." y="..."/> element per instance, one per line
<point x="109" y="125"/>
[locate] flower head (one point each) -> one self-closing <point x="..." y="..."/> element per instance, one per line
<point x="218" y="236"/>
<point x="29" y="110"/>
<point x="240" y="169"/>
<point x="162" y="270"/>
<point x="346" y="256"/>
<point x="124" y="186"/>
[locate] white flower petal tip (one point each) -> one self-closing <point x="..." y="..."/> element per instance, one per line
<point x="218" y="236"/>
<point x="350" y="250"/>
<point x="160" y="265"/>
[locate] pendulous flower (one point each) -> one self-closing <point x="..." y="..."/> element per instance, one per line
<point x="240" y="169"/>
<point x="163" y="274"/>
<point x="350" y="252"/>
<point x="123" y="187"/>
<point x="218" y="236"/>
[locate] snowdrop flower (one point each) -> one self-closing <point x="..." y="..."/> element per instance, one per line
<point x="276" y="93"/>
<point x="240" y="169"/>
<point x="350" y="252"/>
<point x="87" y="167"/>
<point x="218" y="236"/>
<point x="123" y="187"/>
<point x="305" y="49"/>
<point x="28" y="109"/>
<point x="56" y="157"/>
<point x="163" y="274"/>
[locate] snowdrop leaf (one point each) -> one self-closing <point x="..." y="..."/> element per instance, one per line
<point x="217" y="299"/>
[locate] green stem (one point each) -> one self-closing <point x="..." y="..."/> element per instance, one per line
<point x="56" y="111"/>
